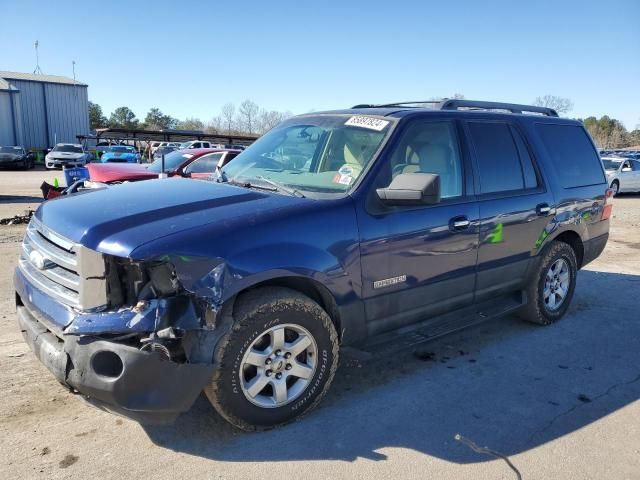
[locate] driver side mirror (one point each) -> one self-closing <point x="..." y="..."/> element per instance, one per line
<point x="626" y="169"/>
<point x="412" y="189"/>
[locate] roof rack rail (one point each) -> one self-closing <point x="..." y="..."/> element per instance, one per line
<point x="396" y="104"/>
<point x="510" y="107"/>
<point x="457" y="104"/>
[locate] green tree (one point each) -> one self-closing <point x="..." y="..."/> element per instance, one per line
<point x="96" y="118"/>
<point x="191" y="124"/>
<point x="123" y="117"/>
<point x="156" y="120"/>
<point x="607" y="132"/>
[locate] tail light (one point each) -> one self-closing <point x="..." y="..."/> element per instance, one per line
<point x="608" y="204"/>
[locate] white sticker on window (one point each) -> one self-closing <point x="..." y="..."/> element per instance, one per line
<point x="367" y="122"/>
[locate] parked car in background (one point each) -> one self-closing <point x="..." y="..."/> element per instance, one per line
<point x="197" y="163"/>
<point x="153" y="146"/>
<point x="16" y="157"/>
<point x="623" y="174"/>
<point x="66" y="155"/>
<point x="195" y="144"/>
<point x="227" y="145"/>
<point x="120" y="154"/>
<point x="167" y="149"/>
<point x="332" y="228"/>
<point x="102" y="147"/>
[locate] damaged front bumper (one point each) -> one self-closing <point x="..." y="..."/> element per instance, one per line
<point x="112" y="375"/>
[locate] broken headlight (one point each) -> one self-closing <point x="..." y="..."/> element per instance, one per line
<point x="133" y="281"/>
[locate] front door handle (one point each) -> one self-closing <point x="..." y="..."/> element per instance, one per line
<point x="459" y="223"/>
<point x="543" y="209"/>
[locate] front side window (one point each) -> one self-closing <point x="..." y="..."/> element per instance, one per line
<point x="205" y="164"/>
<point x="430" y="147"/>
<point x="316" y="153"/>
<point x="497" y="157"/>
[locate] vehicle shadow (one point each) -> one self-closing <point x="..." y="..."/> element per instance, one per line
<point x="9" y="199"/>
<point x="505" y="384"/>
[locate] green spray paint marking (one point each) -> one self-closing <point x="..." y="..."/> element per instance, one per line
<point x="497" y="235"/>
<point x="541" y="238"/>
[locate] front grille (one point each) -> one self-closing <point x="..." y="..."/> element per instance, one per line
<point x="72" y="274"/>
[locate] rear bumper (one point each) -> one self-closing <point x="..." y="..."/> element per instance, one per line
<point x="116" y="377"/>
<point x="594" y="247"/>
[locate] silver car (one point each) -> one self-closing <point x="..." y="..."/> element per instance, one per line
<point x="623" y="174"/>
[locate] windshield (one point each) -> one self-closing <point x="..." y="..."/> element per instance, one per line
<point x="185" y="144"/>
<point x="323" y="153"/>
<point x="611" y="164"/>
<point x="14" y="150"/>
<point x="121" y="149"/>
<point x="67" y="148"/>
<point x="172" y="161"/>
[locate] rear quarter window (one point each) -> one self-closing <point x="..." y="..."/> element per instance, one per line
<point x="574" y="159"/>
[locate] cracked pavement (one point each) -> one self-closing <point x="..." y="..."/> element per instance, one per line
<point x="558" y="402"/>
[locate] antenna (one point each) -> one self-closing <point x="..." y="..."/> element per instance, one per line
<point x="37" y="70"/>
<point x="73" y="65"/>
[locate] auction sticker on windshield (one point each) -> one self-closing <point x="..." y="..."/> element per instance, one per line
<point x="367" y="122"/>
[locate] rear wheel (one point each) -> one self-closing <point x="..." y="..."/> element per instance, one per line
<point x="277" y="361"/>
<point x="551" y="288"/>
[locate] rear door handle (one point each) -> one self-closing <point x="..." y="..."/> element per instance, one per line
<point x="543" y="209"/>
<point x="459" y="223"/>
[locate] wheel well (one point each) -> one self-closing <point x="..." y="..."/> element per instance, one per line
<point x="574" y="241"/>
<point x="312" y="289"/>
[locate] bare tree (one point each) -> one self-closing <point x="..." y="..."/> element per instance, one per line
<point x="268" y="119"/>
<point x="247" y="114"/>
<point x="228" y="114"/>
<point x="561" y="105"/>
<point x="216" y="125"/>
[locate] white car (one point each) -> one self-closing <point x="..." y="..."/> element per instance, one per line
<point x="623" y="174"/>
<point x="195" y="144"/>
<point x="65" y="155"/>
<point x="156" y="145"/>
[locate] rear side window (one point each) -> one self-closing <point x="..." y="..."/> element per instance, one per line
<point x="497" y="156"/>
<point x="575" y="160"/>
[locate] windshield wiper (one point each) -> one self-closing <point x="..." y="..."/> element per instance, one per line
<point x="280" y="187"/>
<point x="274" y="186"/>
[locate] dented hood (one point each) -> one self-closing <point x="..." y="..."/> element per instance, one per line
<point x="118" y="219"/>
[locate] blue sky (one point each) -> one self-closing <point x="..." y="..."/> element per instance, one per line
<point x="188" y="58"/>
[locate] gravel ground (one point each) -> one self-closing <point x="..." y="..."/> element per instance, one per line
<point x="560" y="401"/>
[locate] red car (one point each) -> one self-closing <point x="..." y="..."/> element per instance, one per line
<point x="195" y="163"/>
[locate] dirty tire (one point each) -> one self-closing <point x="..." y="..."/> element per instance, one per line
<point x="536" y="311"/>
<point x="256" y="312"/>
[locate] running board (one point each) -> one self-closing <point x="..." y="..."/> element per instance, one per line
<point x="436" y="327"/>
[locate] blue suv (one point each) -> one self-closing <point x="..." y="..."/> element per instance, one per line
<point x="331" y="229"/>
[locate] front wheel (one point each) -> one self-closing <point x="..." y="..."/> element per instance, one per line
<point x="277" y="361"/>
<point x="615" y="186"/>
<point x="551" y="287"/>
